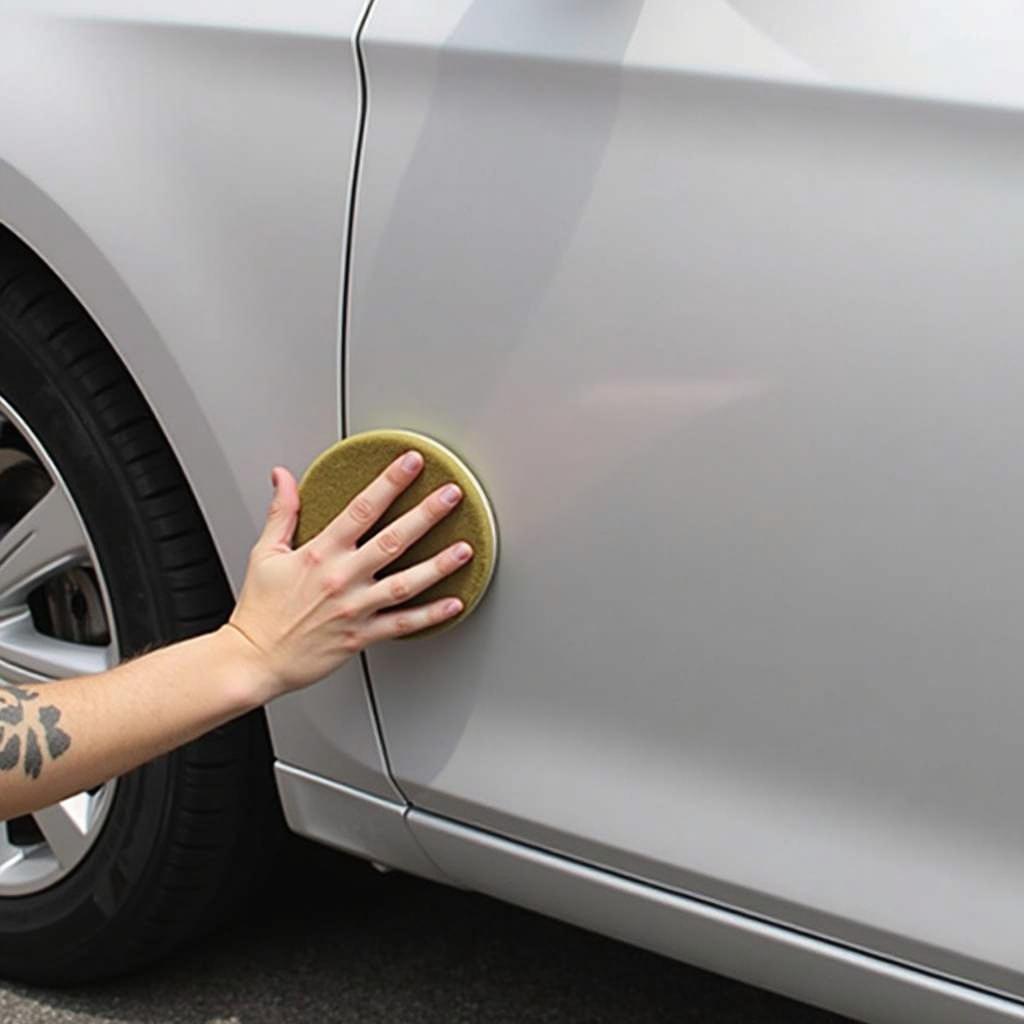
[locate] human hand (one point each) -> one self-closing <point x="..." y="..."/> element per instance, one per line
<point x="305" y="611"/>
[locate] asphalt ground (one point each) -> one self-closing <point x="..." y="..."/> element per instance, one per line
<point x="331" y="940"/>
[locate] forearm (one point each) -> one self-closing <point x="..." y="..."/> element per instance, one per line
<point x="77" y="733"/>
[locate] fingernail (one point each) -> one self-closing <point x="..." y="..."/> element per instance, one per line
<point x="451" y="607"/>
<point x="273" y="478"/>
<point x="411" y="461"/>
<point x="450" y="494"/>
<point x="463" y="551"/>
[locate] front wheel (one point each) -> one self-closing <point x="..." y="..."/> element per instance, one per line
<point x="103" y="554"/>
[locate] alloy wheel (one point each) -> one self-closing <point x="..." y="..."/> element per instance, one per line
<point x="55" y="622"/>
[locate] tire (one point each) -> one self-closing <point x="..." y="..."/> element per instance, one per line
<point x="188" y="835"/>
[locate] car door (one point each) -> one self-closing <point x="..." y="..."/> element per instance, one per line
<point x="722" y="303"/>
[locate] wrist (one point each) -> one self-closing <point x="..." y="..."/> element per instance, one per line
<point x="249" y="676"/>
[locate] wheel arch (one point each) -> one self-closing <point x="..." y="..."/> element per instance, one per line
<point x="32" y="220"/>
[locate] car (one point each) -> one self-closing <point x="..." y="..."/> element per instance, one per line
<point x="720" y="301"/>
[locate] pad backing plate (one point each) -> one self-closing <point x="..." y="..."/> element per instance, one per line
<point x="337" y="475"/>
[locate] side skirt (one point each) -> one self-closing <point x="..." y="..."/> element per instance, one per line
<point x="804" y="967"/>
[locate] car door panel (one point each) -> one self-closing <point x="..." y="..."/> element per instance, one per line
<point x="720" y="302"/>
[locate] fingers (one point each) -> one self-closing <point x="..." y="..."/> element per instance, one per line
<point x="283" y="513"/>
<point x="410" y="620"/>
<point x="373" y="500"/>
<point x="400" y="586"/>
<point x="389" y="543"/>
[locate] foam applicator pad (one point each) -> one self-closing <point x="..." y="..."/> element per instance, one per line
<point x="337" y="475"/>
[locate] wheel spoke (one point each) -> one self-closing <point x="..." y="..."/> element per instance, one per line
<point x="62" y="833"/>
<point x="47" y="538"/>
<point x="9" y="853"/>
<point x="28" y="656"/>
<point x="79" y="809"/>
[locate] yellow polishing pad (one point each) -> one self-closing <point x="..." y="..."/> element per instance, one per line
<point x="340" y="473"/>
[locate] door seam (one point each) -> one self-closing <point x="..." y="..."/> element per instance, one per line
<point x="345" y="325"/>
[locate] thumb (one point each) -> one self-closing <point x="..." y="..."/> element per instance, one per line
<point x="283" y="514"/>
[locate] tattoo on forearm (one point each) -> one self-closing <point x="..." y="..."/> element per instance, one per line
<point x="21" y="722"/>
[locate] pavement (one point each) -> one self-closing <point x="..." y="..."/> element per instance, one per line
<point x="333" y="941"/>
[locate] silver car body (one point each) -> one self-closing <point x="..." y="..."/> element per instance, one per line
<point x="720" y="301"/>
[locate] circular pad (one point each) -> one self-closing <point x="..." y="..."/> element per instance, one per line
<point x="337" y="475"/>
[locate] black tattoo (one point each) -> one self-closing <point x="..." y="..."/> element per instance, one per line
<point x="57" y="740"/>
<point x="10" y="753"/>
<point x="33" y="755"/>
<point x="17" y="705"/>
